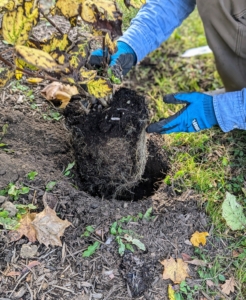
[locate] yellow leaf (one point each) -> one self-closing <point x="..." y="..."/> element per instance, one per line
<point x="49" y="228"/>
<point x="7" y="5"/>
<point x="37" y="58"/>
<point x="102" y="14"/>
<point x="60" y="92"/>
<point x="20" y="63"/>
<point x="171" y="293"/>
<point x="198" y="238"/>
<point x="56" y="42"/>
<point x="5" y="76"/>
<point x="17" y="24"/>
<point x="111" y="45"/>
<point x="69" y="8"/>
<point x="100" y="88"/>
<point x="78" y="55"/>
<point x="86" y="75"/>
<point x="34" y="80"/>
<point x="176" y="271"/>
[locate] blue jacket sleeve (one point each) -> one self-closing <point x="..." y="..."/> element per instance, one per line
<point x="230" y="110"/>
<point x="154" y="23"/>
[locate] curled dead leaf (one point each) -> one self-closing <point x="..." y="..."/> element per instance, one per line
<point x="59" y="91"/>
<point x="198" y="238"/>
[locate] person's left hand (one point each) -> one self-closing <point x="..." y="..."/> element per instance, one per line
<point x="198" y="114"/>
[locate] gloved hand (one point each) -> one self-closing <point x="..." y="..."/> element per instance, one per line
<point x="198" y="114"/>
<point x="120" y="62"/>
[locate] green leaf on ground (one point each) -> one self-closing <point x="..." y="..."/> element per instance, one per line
<point x="232" y="212"/>
<point x="135" y="242"/>
<point x="68" y="169"/>
<point x="31" y="175"/>
<point x="50" y="185"/>
<point x="113" y="228"/>
<point x="129" y="247"/>
<point x="147" y="215"/>
<point x="91" y="249"/>
<point x="122" y="246"/>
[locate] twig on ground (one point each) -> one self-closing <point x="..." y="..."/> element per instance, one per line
<point x="30" y="291"/>
<point x="50" y="21"/>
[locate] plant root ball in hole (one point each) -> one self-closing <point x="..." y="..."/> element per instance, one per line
<point x="110" y="145"/>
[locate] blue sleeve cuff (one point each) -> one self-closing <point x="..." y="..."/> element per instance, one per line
<point x="230" y="110"/>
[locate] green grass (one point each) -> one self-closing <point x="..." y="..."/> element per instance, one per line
<point x="210" y="162"/>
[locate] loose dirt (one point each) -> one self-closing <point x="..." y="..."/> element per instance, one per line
<point x="62" y="273"/>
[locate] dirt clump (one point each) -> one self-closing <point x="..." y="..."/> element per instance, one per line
<point x="110" y="145"/>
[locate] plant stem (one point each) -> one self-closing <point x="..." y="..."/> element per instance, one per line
<point x="50" y="21"/>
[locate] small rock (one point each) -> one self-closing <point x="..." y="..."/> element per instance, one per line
<point x="28" y="251"/>
<point x="97" y="296"/>
<point x="3" y="199"/>
<point x="9" y="206"/>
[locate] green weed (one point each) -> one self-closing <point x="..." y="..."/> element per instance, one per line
<point x="125" y="238"/>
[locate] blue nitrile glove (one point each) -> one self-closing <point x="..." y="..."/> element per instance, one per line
<point x="198" y="114"/>
<point x="120" y="62"/>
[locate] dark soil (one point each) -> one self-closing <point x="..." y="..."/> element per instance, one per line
<point x="36" y="144"/>
<point x="110" y="145"/>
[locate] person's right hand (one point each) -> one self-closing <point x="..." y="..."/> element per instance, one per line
<point x="120" y="62"/>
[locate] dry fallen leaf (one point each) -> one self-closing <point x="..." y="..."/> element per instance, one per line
<point x="59" y="91"/>
<point x="49" y="228"/>
<point x="197" y="262"/>
<point x="176" y="271"/>
<point x="228" y="286"/>
<point x="31" y="264"/>
<point x="209" y="283"/>
<point x="13" y="273"/>
<point x="185" y="257"/>
<point x="198" y="238"/>
<point x="26" y="228"/>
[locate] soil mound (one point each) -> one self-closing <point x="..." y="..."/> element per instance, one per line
<point x="110" y="145"/>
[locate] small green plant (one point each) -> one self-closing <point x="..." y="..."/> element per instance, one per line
<point x="14" y="191"/>
<point x="11" y="223"/>
<point x="125" y="238"/>
<point x="52" y="115"/>
<point x="186" y="292"/>
<point x="68" y="169"/>
<point x="31" y="175"/>
<point x="50" y="185"/>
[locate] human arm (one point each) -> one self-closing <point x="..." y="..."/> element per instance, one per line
<point x="154" y="23"/>
<point x="203" y="111"/>
<point x="230" y="110"/>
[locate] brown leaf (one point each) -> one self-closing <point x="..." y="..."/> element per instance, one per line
<point x="197" y="262"/>
<point x="228" y="286"/>
<point x="29" y="266"/>
<point x="198" y="238"/>
<point x="13" y="273"/>
<point x="59" y="91"/>
<point x="49" y="227"/>
<point x="185" y="257"/>
<point x="209" y="283"/>
<point x="26" y="228"/>
<point x="176" y="271"/>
